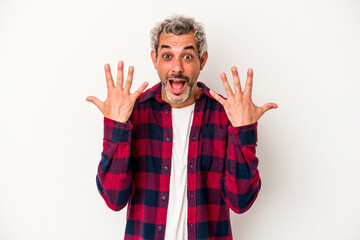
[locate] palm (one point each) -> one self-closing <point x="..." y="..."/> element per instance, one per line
<point x="239" y="106"/>
<point x="119" y="102"/>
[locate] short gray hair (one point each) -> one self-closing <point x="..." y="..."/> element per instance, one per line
<point x="178" y="25"/>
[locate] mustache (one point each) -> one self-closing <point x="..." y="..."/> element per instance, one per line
<point x="179" y="76"/>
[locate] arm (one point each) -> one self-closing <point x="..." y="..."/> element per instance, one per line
<point x="241" y="181"/>
<point x="114" y="179"/>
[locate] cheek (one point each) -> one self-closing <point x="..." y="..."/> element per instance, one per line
<point x="162" y="74"/>
<point x="194" y="71"/>
<point x="162" y="68"/>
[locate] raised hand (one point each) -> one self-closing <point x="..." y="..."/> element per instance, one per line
<point x="119" y="102"/>
<point x="239" y="107"/>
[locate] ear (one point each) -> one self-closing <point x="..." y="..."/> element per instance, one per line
<point x="153" y="58"/>
<point x="203" y="60"/>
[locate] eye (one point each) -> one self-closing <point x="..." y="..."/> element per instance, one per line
<point x="166" y="56"/>
<point x="187" y="57"/>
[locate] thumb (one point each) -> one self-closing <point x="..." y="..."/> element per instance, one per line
<point x="268" y="106"/>
<point x="95" y="101"/>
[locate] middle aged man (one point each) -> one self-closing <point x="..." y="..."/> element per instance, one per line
<point x="180" y="154"/>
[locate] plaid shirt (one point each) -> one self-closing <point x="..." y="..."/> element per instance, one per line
<point x="136" y="161"/>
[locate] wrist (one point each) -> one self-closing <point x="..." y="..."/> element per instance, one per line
<point x="241" y="123"/>
<point x="121" y="119"/>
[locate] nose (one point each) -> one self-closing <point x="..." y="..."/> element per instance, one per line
<point x="177" y="66"/>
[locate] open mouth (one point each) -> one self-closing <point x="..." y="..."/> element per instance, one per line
<point x="177" y="85"/>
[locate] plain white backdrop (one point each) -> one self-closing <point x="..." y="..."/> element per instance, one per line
<point x="305" y="56"/>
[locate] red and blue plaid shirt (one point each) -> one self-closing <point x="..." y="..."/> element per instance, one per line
<point x="136" y="164"/>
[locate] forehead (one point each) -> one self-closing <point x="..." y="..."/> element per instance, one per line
<point x="178" y="41"/>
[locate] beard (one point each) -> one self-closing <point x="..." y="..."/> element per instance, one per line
<point x="187" y="93"/>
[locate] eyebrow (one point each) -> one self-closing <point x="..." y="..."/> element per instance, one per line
<point x="189" y="47"/>
<point x="185" y="48"/>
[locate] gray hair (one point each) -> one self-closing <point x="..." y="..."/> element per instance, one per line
<point x="178" y="25"/>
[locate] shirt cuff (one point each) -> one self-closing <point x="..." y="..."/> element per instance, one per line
<point x="117" y="131"/>
<point x="243" y="135"/>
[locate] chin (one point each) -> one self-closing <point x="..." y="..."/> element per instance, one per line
<point x="177" y="99"/>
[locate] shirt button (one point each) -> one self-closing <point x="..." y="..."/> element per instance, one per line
<point x="166" y="168"/>
<point x="193" y="138"/>
<point x="166" y="111"/>
<point x="160" y="228"/>
<point x="168" y="139"/>
<point x="191" y="195"/>
<point x="191" y="165"/>
<point x="163" y="198"/>
<point x="191" y="225"/>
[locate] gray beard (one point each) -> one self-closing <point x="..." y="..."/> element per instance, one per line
<point x="187" y="94"/>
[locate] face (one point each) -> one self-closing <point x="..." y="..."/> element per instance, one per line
<point x="178" y="66"/>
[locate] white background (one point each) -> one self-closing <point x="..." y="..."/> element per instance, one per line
<point x="305" y="56"/>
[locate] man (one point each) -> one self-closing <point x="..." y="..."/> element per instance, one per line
<point x="179" y="154"/>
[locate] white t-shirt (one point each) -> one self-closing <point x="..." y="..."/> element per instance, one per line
<point x="176" y="219"/>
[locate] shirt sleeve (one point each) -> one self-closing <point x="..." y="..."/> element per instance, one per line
<point x="241" y="181"/>
<point x="114" y="179"/>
